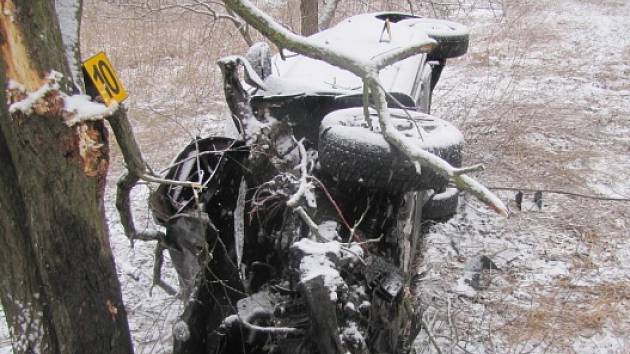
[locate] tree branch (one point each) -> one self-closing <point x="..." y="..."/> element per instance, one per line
<point x="289" y="40"/>
<point x="418" y="155"/>
<point x="368" y="71"/>
<point x="137" y="169"/>
<point x="201" y="8"/>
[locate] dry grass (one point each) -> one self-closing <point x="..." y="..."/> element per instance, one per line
<point x="527" y="116"/>
<point x="563" y="313"/>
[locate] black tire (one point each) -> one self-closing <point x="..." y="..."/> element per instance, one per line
<point x="452" y="37"/>
<point x="351" y="152"/>
<point x="441" y="206"/>
<point x="259" y="56"/>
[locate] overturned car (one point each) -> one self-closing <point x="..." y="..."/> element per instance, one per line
<point x="302" y="235"/>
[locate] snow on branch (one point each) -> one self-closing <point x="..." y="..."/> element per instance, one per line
<point x="296" y="43"/>
<point x="81" y="108"/>
<point x="74" y="109"/>
<point x="367" y="70"/>
<point x="417" y="155"/>
<point x="399" y="54"/>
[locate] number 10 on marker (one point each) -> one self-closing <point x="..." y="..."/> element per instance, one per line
<point x="104" y="78"/>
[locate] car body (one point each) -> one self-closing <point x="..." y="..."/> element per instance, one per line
<point x="286" y="112"/>
<point x="367" y="35"/>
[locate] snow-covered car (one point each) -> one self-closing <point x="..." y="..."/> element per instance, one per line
<point x="370" y="35"/>
<point x="319" y="98"/>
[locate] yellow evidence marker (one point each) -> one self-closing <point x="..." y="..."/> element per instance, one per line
<point x="104" y="78"/>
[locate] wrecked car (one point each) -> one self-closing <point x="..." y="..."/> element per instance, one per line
<point x="301" y="237"/>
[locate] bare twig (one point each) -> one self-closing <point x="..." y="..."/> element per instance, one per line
<point x="431" y="338"/>
<point x="198" y="7"/>
<point x="474" y="168"/>
<point x="137" y="169"/>
<point x="200" y="154"/>
<point x="347" y="249"/>
<point x="358" y="223"/>
<point x="371" y="240"/>
<point x="150" y="177"/>
<point x="352" y="62"/>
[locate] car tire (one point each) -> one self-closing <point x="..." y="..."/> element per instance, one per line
<point x="259" y="56"/>
<point x="351" y="152"/>
<point x="441" y="206"/>
<point x="452" y="37"/>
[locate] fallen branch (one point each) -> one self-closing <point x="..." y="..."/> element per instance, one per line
<point x="418" y="155"/>
<point x="138" y="169"/>
<point x="367" y="70"/>
<point x="305" y="46"/>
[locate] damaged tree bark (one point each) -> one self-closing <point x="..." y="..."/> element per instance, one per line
<point x="58" y="282"/>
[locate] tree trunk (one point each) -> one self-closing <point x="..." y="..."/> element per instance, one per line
<point x="58" y="281"/>
<point x="309" y="17"/>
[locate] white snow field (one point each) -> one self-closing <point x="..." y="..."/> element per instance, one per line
<point x="543" y="99"/>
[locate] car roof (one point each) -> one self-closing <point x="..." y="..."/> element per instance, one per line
<point x="361" y="35"/>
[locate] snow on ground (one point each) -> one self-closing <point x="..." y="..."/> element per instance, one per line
<point x="5" y="340"/>
<point x="151" y="312"/>
<point x="543" y="102"/>
<point x="542" y="98"/>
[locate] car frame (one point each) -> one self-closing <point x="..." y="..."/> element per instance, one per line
<point x="299" y="102"/>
